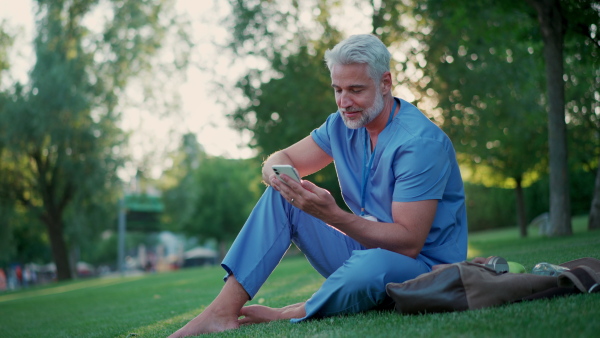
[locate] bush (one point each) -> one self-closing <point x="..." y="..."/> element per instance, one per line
<point x="581" y="191"/>
<point x="490" y="208"/>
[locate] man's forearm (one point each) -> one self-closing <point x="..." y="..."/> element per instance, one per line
<point x="371" y="234"/>
<point x="390" y="236"/>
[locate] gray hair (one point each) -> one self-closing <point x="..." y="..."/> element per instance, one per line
<point x="361" y="48"/>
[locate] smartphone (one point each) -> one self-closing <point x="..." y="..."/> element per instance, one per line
<point x="288" y="170"/>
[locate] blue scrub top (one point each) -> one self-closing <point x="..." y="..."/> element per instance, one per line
<point x="414" y="160"/>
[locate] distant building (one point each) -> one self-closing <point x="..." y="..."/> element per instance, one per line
<point x="199" y="257"/>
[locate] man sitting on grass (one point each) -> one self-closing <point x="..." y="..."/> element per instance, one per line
<point x="399" y="176"/>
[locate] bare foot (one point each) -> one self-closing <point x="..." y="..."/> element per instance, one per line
<point x="207" y="322"/>
<point x="220" y="315"/>
<point x="254" y="314"/>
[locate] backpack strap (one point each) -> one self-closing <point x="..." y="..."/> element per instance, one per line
<point x="584" y="278"/>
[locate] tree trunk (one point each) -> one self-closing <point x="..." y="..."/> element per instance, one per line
<point x="594" y="221"/>
<point x="553" y="25"/>
<point x="60" y="253"/>
<point x="521" y="216"/>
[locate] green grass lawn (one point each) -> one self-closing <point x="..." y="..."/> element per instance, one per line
<point x="156" y="305"/>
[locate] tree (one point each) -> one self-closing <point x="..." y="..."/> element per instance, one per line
<point x="557" y="19"/>
<point x="62" y="148"/>
<point x="291" y="95"/>
<point x="582" y="106"/>
<point x="227" y="191"/>
<point x="179" y="186"/>
<point x="281" y="112"/>
<point x="553" y="32"/>
<point x="582" y="85"/>
<point x="472" y="74"/>
<point x="6" y="41"/>
<point x="208" y="197"/>
<point x="577" y="17"/>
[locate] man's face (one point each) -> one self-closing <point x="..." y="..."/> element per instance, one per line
<point x="358" y="97"/>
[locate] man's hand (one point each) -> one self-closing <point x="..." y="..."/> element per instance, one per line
<point x="305" y="155"/>
<point x="306" y="196"/>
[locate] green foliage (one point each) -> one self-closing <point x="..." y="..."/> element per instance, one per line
<point x="22" y="238"/>
<point x="209" y="197"/>
<point x="104" y="250"/>
<point x="489" y="207"/>
<point x="489" y="106"/>
<point x="270" y="29"/>
<point x="485" y="102"/>
<point x="493" y="207"/>
<point x="582" y="85"/>
<point x="178" y="198"/>
<point x="227" y="192"/>
<point x="293" y="96"/>
<point x="480" y="66"/>
<point x="581" y="188"/>
<point x="6" y="41"/>
<point x="279" y="113"/>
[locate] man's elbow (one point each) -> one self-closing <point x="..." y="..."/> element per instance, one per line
<point x="411" y="252"/>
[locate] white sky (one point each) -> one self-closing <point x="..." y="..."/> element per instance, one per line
<point x="154" y="135"/>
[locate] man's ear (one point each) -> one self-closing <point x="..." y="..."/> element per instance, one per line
<point x="386" y="82"/>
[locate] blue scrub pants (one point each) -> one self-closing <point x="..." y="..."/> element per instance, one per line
<point x="355" y="276"/>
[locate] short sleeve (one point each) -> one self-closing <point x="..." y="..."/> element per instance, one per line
<point x="322" y="135"/>
<point x="421" y="170"/>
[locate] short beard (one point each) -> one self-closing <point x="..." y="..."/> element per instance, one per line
<point x="368" y="114"/>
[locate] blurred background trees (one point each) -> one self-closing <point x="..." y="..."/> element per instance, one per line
<point x="473" y="63"/>
<point x="209" y="197"/>
<point x="60" y="144"/>
<point x="478" y="69"/>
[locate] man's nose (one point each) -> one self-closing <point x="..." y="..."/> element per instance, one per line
<point x="344" y="100"/>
